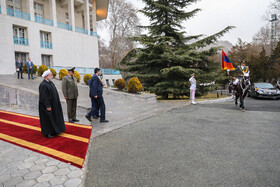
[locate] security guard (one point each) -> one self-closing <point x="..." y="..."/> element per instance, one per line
<point x="70" y="92"/>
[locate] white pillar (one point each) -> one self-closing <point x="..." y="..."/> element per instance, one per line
<point x="94" y="26"/>
<point x="53" y="12"/>
<point x="3" y="6"/>
<point x="30" y="4"/>
<point x="71" y="10"/>
<point x="86" y="15"/>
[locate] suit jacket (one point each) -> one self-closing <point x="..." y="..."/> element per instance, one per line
<point x="96" y="88"/>
<point x="19" y="64"/>
<point x="28" y="65"/>
<point x="69" y="87"/>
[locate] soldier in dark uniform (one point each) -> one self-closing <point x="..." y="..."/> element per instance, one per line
<point x="19" y="66"/>
<point x="70" y="92"/>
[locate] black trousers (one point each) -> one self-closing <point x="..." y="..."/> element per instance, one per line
<point x="99" y="104"/>
<point x="19" y="72"/>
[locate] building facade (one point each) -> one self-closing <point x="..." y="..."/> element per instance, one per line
<point x="50" y="32"/>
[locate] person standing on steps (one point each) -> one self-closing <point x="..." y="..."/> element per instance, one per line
<point x="29" y="65"/>
<point x="19" y="66"/>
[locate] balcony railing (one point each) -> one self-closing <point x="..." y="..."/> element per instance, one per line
<point x="80" y="30"/>
<point x="64" y="26"/>
<point x="20" y="41"/>
<point x="0" y="10"/>
<point x="93" y="33"/>
<point x="18" y="14"/>
<point x="43" y="21"/>
<point x="47" y="45"/>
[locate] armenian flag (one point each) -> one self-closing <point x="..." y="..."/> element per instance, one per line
<point x="226" y="64"/>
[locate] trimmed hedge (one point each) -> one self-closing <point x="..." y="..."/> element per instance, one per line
<point x="53" y="72"/>
<point x="134" y="85"/>
<point x="77" y="75"/>
<point x="87" y="77"/>
<point x="120" y="84"/>
<point x="42" y="69"/>
<point x="62" y="73"/>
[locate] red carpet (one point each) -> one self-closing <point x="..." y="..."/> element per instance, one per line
<point x="25" y="131"/>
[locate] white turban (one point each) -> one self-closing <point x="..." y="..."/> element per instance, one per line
<point x="46" y="73"/>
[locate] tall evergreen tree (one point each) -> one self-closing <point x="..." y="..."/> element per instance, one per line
<point x="167" y="57"/>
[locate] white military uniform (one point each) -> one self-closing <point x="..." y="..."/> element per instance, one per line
<point x="192" y="89"/>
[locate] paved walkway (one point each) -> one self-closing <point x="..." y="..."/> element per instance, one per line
<point x="22" y="167"/>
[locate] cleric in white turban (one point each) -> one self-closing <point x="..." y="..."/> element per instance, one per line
<point x="50" y="110"/>
<point x="46" y="73"/>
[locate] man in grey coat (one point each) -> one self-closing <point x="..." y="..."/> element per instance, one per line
<point x="70" y="92"/>
<point x="19" y="66"/>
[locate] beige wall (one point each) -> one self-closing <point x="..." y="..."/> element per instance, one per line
<point x="46" y="5"/>
<point x="24" y="6"/>
<point x="79" y="19"/>
<point x="60" y="13"/>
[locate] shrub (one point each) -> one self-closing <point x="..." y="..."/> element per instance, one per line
<point x="87" y="77"/>
<point x="62" y="73"/>
<point x="77" y="75"/>
<point x="53" y="72"/>
<point x="34" y="69"/>
<point x="134" y="85"/>
<point x="24" y="70"/>
<point x="41" y="69"/>
<point x="120" y="84"/>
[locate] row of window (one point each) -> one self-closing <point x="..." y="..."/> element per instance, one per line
<point x="46" y="59"/>
<point x="20" y="37"/>
<point x="38" y="9"/>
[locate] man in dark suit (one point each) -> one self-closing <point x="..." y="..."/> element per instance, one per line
<point x="95" y="115"/>
<point x="96" y="93"/>
<point x="19" y="66"/>
<point x="29" y="65"/>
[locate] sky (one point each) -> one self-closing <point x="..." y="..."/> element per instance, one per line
<point x="245" y="15"/>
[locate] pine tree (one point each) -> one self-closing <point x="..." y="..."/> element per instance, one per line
<point x="167" y="57"/>
<point x="275" y="63"/>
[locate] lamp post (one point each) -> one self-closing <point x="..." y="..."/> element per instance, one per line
<point x="273" y="39"/>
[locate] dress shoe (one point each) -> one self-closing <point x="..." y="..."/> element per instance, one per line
<point x="103" y="121"/>
<point x="49" y="135"/>
<point x="76" y="120"/>
<point x="88" y="117"/>
<point x="71" y="121"/>
<point x="22" y="78"/>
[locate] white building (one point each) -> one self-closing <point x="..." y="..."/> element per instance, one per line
<point x="50" y="32"/>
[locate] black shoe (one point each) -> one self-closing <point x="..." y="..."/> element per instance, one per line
<point x="49" y="135"/>
<point x="95" y="117"/>
<point x="22" y="78"/>
<point x="71" y="121"/>
<point x="103" y="121"/>
<point x="75" y="120"/>
<point x="88" y="117"/>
